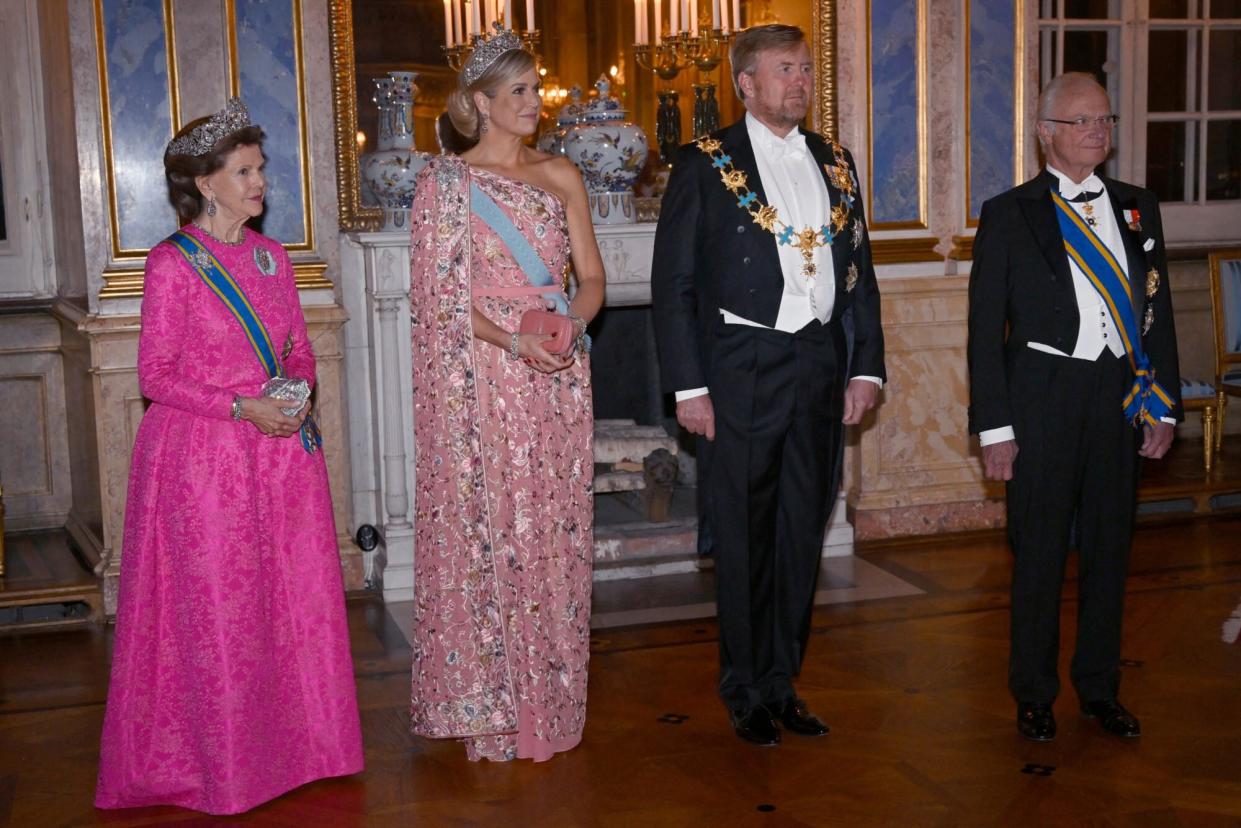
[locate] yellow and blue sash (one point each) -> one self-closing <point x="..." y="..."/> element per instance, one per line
<point x="1146" y="401"/>
<point x="234" y="298"/>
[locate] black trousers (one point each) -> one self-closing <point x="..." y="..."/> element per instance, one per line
<point x="777" y="400"/>
<point x="1074" y="483"/>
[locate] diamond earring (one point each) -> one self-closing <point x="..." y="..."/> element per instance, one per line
<point x="211" y="206"/>
<point x="482" y="123"/>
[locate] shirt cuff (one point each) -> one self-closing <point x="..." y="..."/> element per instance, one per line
<point x="689" y="394"/>
<point x="996" y="435"/>
<point x="875" y="380"/>
<point x="1168" y="420"/>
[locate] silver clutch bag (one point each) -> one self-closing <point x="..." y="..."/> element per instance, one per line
<point x="284" y="388"/>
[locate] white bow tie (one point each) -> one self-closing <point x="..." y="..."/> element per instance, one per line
<point x="793" y="147"/>
<point x="1069" y="189"/>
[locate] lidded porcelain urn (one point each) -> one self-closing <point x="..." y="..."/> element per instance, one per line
<point x="391" y="168"/>
<point x="610" y="151"/>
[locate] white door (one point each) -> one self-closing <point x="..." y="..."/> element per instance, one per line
<point x="25" y="262"/>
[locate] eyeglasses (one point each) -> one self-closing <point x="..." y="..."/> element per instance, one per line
<point x="1084" y="124"/>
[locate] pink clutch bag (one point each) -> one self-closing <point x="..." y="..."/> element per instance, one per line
<point x="558" y="326"/>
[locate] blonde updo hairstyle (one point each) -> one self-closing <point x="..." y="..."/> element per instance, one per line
<point x="463" y="113"/>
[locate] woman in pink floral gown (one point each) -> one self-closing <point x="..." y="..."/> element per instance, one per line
<point x="503" y="429"/>
<point x="232" y="680"/>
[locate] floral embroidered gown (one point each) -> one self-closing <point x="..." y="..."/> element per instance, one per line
<point x="232" y="680"/>
<point x="504" y="510"/>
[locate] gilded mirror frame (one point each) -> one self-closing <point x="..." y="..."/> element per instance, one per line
<point x="355" y="217"/>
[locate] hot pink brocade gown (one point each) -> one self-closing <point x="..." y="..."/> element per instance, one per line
<point x="505" y="473"/>
<point x="232" y="681"/>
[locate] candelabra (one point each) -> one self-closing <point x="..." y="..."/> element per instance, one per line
<point x="680" y="51"/>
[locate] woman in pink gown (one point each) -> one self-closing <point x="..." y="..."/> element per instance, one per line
<point x="504" y="510"/>
<point x="232" y="680"/>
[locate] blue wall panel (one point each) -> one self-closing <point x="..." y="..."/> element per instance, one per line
<point x="267" y="72"/>
<point x="991" y="100"/>
<point x="896" y="155"/>
<point x="140" y="115"/>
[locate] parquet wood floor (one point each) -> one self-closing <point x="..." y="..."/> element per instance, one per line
<point x="913" y="687"/>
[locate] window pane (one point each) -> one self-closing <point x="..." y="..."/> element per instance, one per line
<point x="1087" y="9"/>
<point x="1165" y="85"/>
<point x="1221" y="9"/>
<point x="1165" y="160"/>
<point x="1047" y="56"/>
<point x="1224" y="82"/>
<point x="1086" y="51"/>
<point x="1170" y="8"/>
<point x="1047" y="8"/>
<point x="1223" y="160"/>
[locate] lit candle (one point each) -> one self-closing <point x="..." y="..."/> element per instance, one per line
<point x="637" y="21"/>
<point x="659" y="21"/>
<point x="715" y="14"/>
<point x="646" y="37"/>
<point x="530" y="15"/>
<point x="508" y="14"/>
<point x="457" y="29"/>
<point x="475" y="16"/>
<point x="693" y="18"/>
<point x="674" y="17"/>
<point x="447" y="24"/>
<point x="724" y="16"/>
<point x="737" y="15"/>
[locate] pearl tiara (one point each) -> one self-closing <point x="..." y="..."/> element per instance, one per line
<point x="487" y="52"/>
<point x="199" y="141"/>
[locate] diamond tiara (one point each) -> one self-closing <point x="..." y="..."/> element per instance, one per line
<point x="487" y="52"/>
<point x="199" y="141"/>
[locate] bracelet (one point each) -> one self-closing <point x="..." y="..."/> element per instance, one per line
<point x="513" y="344"/>
<point x="235" y="410"/>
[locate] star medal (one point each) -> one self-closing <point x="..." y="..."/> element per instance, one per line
<point x="265" y="262"/>
<point x="851" y="278"/>
<point x="1090" y="219"/>
<point x="857" y="233"/>
<point x="1152" y="282"/>
<point x="1148" y="319"/>
<point x="202" y="259"/>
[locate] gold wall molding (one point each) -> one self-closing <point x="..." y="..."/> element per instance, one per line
<point x="823" y="41"/>
<point x="962" y="249"/>
<point x="353" y="216"/>
<point x="904" y="251"/>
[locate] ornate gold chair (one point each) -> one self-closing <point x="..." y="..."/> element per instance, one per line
<point x="1226" y="310"/>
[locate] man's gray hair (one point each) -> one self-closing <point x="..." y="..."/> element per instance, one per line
<point x="743" y="54"/>
<point x="1058" y="85"/>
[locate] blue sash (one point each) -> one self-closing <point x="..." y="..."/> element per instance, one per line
<point x="527" y="258"/>
<point x="234" y="298"/>
<point x="1146" y="401"/>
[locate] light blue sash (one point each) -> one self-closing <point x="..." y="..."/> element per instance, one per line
<point x="1147" y="401"/>
<point x="527" y="258"/>
<point x="234" y="298"/>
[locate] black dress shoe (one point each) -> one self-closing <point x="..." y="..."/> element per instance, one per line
<point x="797" y="718"/>
<point x="756" y="726"/>
<point x="1036" y="721"/>
<point x="1114" y="718"/>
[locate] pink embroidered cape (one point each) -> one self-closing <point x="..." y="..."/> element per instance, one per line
<point x="504" y="475"/>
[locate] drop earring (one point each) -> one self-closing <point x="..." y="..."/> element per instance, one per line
<point x="482" y="123"/>
<point x="211" y="206"/>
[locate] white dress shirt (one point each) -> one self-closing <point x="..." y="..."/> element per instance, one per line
<point x="1095" y="330"/>
<point x="793" y="185"/>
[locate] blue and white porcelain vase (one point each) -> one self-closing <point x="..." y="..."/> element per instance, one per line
<point x="611" y="153"/>
<point x="552" y="141"/>
<point x="391" y="169"/>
